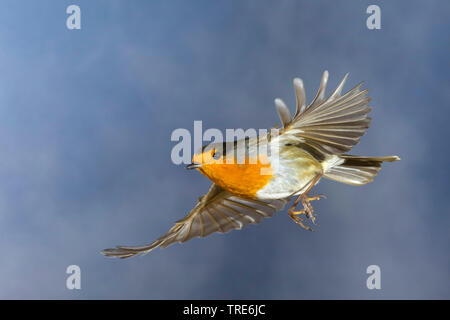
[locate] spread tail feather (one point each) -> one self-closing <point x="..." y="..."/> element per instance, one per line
<point x="356" y="170"/>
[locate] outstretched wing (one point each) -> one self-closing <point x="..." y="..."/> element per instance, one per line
<point x="217" y="211"/>
<point x="327" y="126"/>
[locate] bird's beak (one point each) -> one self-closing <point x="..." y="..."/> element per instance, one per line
<point x="193" y="166"/>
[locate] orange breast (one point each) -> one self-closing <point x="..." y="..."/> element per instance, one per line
<point x="241" y="179"/>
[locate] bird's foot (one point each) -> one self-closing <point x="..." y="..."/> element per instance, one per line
<point x="307" y="210"/>
<point x="294" y="215"/>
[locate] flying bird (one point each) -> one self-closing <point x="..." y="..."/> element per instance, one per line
<point x="308" y="146"/>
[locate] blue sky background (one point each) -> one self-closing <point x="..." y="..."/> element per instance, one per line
<point x="85" y="123"/>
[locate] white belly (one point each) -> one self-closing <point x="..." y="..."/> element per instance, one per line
<point x="293" y="173"/>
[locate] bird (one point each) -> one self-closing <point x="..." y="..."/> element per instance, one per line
<point x="250" y="185"/>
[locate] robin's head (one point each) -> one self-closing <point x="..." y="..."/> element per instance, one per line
<point x="208" y="155"/>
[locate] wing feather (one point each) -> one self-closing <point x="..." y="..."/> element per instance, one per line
<point x="217" y="211"/>
<point x="332" y="125"/>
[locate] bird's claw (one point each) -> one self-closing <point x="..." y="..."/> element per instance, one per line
<point x="307" y="210"/>
<point x="295" y="216"/>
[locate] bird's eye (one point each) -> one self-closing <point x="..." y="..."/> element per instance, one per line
<point x="216" y="155"/>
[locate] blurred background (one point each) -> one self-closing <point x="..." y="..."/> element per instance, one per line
<point x="85" y="123"/>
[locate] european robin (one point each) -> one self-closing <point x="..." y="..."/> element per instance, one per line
<point x="256" y="176"/>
